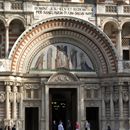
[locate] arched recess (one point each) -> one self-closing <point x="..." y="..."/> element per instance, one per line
<point x="111" y="29"/>
<point x="2" y="38"/>
<point x="126" y="40"/>
<point x="64" y="30"/>
<point x="16" y="28"/>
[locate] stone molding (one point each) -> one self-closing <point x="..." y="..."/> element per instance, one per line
<point x="99" y="43"/>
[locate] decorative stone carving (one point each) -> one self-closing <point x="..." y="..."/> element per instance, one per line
<point x="107" y="98"/>
<point x="31" y="86"/>
<point x="4" y="65"/>
<point x="63" y="77"/>
<point x="31" y="103"/>
<point x="125" y="96"/>
<point x="2" y="97"/>
<point x="18" y="97"/>
<point x="91" y="86"/>
<point x="11" y="96"/>
<point x="115" y="97"/>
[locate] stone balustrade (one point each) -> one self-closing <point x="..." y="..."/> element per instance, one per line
<point x="113" y="9"/>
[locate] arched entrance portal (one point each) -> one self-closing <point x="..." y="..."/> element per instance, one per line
<point x="63" y="106"/>
<point x="63" y="45"/>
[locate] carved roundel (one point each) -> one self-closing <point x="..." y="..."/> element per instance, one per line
<point x="68" y="31"/>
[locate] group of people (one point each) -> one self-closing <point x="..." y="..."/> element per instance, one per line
<point x="8" y="128"/>
<point x="69" y="126"/>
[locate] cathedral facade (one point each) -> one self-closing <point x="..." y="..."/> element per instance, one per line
<point x="65" y="60"/>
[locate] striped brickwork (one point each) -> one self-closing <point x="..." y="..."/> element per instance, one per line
<point x="93" y="38"/>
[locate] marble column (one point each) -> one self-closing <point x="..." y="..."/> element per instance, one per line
<point x="7" y="41"/>
<point x="111" y="107"/>
<point x="43" y="108"/>
<point x="103" y="109"/>
<point x="8" y="102"/>
<point x="129" y="106"/>
<point x="21" y="103"/>
<point x="120" y="107"/>
<point x="14" y="114"/>
<point x="119" y="50"/>
<point x="82" y="109"/>
<point x="78" y="105"/>
<point x="47" y="107"/>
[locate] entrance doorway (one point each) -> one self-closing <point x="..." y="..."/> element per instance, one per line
<point x="63" y="106"/>
<point x="31" y="118"/>
<point x="92" y="115"/>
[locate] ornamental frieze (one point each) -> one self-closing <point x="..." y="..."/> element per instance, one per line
<point x="31" y="86"/>
<point x="91" y="86"/>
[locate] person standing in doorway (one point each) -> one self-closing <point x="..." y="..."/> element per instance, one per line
<point x="87" y="125"/>
<point x="54" y="125"/>
<point x="77" y="126"/>
<point x="14" y="127"/>
<point x="108" y="127"/>
<point x="60" y="126"/>
<point x="68" y="125"/>
<point x="1" y="128"/>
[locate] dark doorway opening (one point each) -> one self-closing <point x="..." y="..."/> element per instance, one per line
<point x="63" y="106"/>
<point x="31" y="118"/>
<point x="92" y="115"/>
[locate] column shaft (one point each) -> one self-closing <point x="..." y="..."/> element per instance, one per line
<point x="7" y="102"/>
<point x="7" y="42"/>
<point x="47" y="107"/>
<point x="14" y="115"/>
<point x="119" y="45"/>
<point x="21" y="103"/>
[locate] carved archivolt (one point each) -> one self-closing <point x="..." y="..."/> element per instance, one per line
<point x="79" y="30"/>
<point x="63" y="77"/>
<point x="2" y="96"/>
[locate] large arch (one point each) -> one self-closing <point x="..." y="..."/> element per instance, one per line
<point x="69" y="30"/>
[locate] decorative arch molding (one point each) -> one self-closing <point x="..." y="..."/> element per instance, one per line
<point x="63" y="77"/>
<point x="125" y="21"/>
<point x="3" y="20"/>
<point x="111" y="20"/>
<point x="90" y="39"/>
<point x="17" y="17"/>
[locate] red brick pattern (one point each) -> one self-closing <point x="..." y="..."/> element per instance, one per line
<point x="83" y="31"/>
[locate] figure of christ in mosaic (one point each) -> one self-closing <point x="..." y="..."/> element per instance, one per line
<point x="39" y="62"/>
<point x="83" y="63"/>
<point x="73" y="58"/>
<point x="49" y="58"/>
<point x="61" y="60"/>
